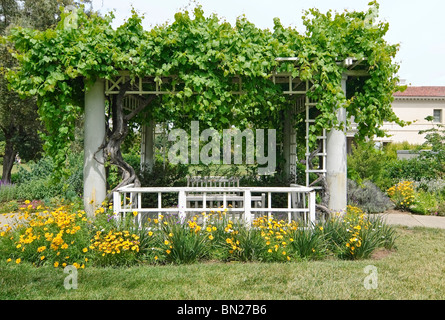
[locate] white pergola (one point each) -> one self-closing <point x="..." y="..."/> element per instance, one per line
<point x="333" y="154"/>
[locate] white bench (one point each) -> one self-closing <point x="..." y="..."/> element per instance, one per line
<point x="216" y="200"/>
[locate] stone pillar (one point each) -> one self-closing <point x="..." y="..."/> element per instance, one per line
<point x="336" y="162"/>
<point x="94" y="177"/>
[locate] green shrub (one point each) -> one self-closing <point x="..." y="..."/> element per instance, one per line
<point x="368" y="197"/>
<point x="428" y="202"/>
<point x="391" y="149"/>
<point x="8" y="193"/>
<point x="37" y="181"/>
<point x="415" y="169"/>
<point x="366" y="162"/>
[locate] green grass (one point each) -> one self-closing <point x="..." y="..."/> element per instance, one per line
<point x="414" y="271"/>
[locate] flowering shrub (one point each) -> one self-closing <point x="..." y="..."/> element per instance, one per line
<point x="356" y="235"/>
<point x="114" y="247"/>
<point x="402" y="194"/>
<point x="357" y="224"/>
<point x="277" y="237"/>
<point x="59" y="237"/>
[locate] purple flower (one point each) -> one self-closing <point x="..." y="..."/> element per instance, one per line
<point x="4" y="183"/>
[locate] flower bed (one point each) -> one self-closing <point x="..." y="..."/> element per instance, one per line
<point x="65" y="236"/>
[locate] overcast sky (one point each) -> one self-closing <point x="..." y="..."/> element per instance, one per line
<point x="417" y="25"/>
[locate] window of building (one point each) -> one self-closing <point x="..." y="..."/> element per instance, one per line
<point x="437" y="114"/>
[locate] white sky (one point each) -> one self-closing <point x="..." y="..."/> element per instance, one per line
<point x="417" y="25"/>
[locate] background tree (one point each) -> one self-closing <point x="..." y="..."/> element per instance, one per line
<point x="19" y="118"/>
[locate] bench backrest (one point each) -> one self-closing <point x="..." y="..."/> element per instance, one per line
<point x="212" y="181"/>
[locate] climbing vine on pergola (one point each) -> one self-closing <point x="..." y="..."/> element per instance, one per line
<point x="204" y="54"/>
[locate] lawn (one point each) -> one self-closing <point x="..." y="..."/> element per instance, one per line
<point x="416" y="270"/>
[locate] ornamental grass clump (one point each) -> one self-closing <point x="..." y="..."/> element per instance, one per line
<point x="186" y="242"/>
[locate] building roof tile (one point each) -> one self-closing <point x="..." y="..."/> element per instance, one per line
<point x="424" y="91"/>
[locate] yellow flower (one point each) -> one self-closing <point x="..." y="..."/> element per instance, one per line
<point x="166" y="242"/>
<point x="150" y="233"/>
<point x="56" y="264"/>
<point x="211" y="237"/>
<point x="168" y="251"/>
<point x="84" y="249"/>
<point x="42" y="257"/>
<point x="135" y="213"/>
<point x="18" y="260"/>
<point x="9" y="260"/>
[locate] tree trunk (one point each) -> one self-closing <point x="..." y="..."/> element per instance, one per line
<point x="8" y="161"/>
<point x="117" y="135"/>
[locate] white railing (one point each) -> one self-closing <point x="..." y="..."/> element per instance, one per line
<point x="238" y="200"/>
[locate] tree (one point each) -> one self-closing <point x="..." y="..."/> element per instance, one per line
<point x="204" y="56"/>
<point x="19" y="119"/>
<point x="434" y="139"/>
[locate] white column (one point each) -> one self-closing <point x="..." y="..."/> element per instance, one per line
<point x="336" y="162"/>
<point x="94" y="177"/>
<point x="312" y="196"/>
<point x="289" y="144"/>
<point x="247" y="208"/>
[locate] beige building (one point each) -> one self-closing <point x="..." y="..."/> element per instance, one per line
<point x="414" y="104"/>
